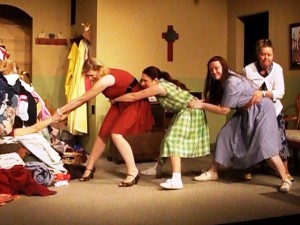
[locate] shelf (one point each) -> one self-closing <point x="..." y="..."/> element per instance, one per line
<point x="51" y="41"/>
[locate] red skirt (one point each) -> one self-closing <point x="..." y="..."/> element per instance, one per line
<point x="127" y="118"/>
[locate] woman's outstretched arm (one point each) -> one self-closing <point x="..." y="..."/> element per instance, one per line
<point x="34" y="128"/>
<point x="217" y="109"/>
<point x="156" y="89"/>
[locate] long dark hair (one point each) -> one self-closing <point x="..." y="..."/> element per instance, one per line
<point x="213" y="89"/>
<point x="153" y="72"/>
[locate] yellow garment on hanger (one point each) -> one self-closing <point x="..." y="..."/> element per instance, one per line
<point x="72" y="62"/>
<point x="77" y="119"/>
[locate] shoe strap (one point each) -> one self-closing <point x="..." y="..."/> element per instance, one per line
<point x="133" y="175"/>
<point x="287" y="181"/>
<point x="130" y="175"/>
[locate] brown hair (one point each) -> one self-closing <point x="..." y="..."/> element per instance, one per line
<point x="153" y="72"/>
<point x="262" y="43"/>
<point x="213" y="89"/>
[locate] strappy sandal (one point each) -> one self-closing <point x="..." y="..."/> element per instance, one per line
<point x="130" y="183"/>
<point x="285" y="186"/>
<point x="88" y="177"/>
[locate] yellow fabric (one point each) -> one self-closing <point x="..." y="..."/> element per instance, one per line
<point x="72" y="62"/>
<point x="77" y="119"/>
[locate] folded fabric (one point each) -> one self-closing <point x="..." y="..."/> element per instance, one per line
<point x="18" y="180"/>
<point x="9" y="160"/>
<point x="41" y="174"/>
<point x="42" y="149"/>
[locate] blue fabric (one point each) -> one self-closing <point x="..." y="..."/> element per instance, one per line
<point x="41" y="174"/>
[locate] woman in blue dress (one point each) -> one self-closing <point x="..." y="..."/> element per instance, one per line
<point x="251" y="135"/>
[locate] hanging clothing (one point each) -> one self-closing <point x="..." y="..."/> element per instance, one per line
<point x="77" y="119"/>
<point x="70" y="75"/>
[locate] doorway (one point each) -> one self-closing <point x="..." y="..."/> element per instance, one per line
<point x="256" y="27"/>
<point x="16" y="36"/>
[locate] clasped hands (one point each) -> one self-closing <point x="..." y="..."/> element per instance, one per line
<point x="256" y="97"/>
<point x="195" y="104"/>
<point x="56" y="117"/>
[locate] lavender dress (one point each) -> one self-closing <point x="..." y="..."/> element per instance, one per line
<point x="251" y="135"/>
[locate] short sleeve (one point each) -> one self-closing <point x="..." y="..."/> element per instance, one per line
<point x="232" y="92"/>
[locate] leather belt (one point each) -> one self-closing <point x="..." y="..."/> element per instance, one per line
<point x="131" y="86"/>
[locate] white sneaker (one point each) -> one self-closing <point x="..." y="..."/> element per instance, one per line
<point x="207" y="175"/>
<point x="155" y="170"/>
<point x="172" y="185"/>
<point x="285" y="186"/>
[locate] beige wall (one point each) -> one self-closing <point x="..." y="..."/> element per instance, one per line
<point x="49" y="62"/>
<point x="129" y="36"/>
<point x="281" y="14"/>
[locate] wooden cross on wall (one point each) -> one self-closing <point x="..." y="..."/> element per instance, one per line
<point x="170" y="36"/>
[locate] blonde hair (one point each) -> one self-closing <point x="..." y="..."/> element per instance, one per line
<point x="94" y="64"/>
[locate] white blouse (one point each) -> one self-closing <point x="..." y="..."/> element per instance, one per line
<point x="274" y="82"/>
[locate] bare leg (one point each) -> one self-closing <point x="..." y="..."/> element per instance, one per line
<point x="98" y="148"/>
<point x="214" y="167"/>
<point x="276" y="163"/>
<point x="175" y="164"/>
<point x="279" y="166"/>
<point x="285" y="163"/>
<point x="126" y="152"/>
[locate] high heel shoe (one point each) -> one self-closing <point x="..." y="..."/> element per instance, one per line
<point x="88" y="177"/>
<point x="130" y="183"/>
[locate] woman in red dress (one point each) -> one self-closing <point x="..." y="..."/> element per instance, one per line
<point x="121" y="119"/>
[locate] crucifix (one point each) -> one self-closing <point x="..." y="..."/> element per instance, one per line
<point x="170" y="36"/>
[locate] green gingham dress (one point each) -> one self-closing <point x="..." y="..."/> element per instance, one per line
<point x="188" y="134"/>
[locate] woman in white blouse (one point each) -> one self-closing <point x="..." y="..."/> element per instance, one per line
<point x="268" y="75"/>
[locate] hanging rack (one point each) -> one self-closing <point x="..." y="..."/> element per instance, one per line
<point x="86" y="34"/>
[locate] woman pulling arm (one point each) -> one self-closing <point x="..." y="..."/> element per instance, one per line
<point x="246" y="138"/>
<point x="187" y="135"/>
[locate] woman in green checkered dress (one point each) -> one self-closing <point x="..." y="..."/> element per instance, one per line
<point x="187" y="135"/>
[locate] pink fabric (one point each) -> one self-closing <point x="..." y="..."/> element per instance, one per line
<point x="5" y="53"/>
<point x="44" y="114"/>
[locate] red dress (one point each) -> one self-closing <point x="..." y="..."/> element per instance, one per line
<point x="125" y="117"/>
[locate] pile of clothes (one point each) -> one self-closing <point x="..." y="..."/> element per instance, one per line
<point x="34" y="164"/>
